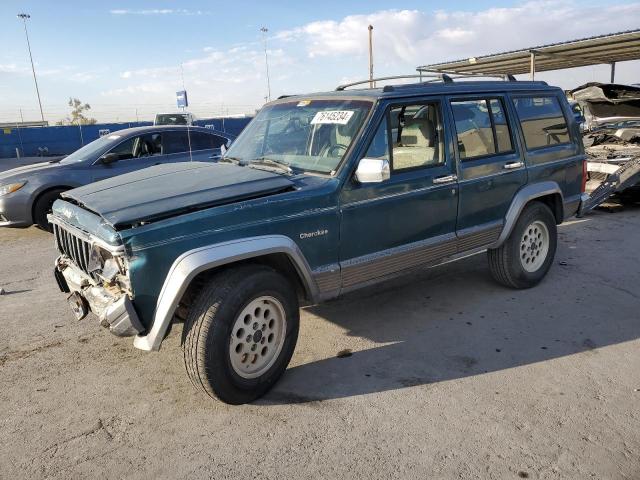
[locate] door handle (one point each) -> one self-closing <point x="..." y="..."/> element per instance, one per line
<point x="445" y="179"/>
<point x="512" y="165"/>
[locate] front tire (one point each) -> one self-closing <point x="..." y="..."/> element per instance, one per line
<point x="240" y="333"/>
<point x="525" y="257"/>
<point x="42" y="208"/>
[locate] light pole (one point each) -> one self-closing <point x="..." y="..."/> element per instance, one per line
<point x="24" y="17"/>
<point x="264" y="31"/>
<point x="370" y="56"/>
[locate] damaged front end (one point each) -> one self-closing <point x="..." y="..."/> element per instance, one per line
<point x="96" y="275"/>
<point x="611" y="140"/>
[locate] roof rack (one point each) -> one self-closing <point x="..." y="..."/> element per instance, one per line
<point x="507" y="77"/>
<point x="433" y="77"/>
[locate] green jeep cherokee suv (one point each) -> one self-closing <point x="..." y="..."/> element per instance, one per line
<point x="321" y="194"/>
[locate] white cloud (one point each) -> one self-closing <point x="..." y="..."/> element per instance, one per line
<point x="11" y="68"/>
<point x="411" y="37"/>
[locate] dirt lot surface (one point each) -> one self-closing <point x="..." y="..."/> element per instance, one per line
<point x="452" y="376"/>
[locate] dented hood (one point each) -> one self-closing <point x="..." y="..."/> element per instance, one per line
<point x="167" y="190"/>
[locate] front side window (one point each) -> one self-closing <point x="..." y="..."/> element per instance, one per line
<point x="148" y="145"/>
<point x="125" y="149"/>
<point x="136" y="147"/>
<point x="311" y="135"/>
<point x="542" y="121"/>
<point x="414" y="136"/>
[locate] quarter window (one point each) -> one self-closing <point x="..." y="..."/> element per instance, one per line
<point x="379" y="146"/>
<point x="542" y="121"/>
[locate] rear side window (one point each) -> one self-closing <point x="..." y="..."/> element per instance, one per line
<point x="481" y="127"/>
<point x="175" y="142"/>
<point x="542" y="121"/>
<point x="206" y="141"/>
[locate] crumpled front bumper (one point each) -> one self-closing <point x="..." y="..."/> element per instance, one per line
<point x="114" y="311"/>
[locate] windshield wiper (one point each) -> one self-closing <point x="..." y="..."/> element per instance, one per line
<point x="270" y="162"/>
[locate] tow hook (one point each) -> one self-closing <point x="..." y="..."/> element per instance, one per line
<point x="78" y="305"/>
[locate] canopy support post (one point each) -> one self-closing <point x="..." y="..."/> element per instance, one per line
<point x="533" y="66"/>
<point x="613" y="72"/>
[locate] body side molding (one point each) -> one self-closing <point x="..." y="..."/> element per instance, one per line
<point x="196" y="261"/>
<point x="521" y="198"/>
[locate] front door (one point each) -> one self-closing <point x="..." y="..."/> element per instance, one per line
<point x="410" y="218"/>
<point x="490" y="168"/>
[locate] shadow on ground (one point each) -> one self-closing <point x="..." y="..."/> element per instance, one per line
<point x="455" y="321"/>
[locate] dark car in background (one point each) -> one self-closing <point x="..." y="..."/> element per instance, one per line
<point x="27" y="193"/>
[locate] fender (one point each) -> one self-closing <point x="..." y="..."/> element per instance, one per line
<point x="521" y="198"/>
<point x="196" y="261"/>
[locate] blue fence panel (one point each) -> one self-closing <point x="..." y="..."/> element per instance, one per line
<point x="63" y="140"/>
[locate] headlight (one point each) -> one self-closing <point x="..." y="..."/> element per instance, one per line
<point x="11" y="187"/>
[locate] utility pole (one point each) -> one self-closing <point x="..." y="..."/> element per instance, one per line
<point x="24" y="17"/>
<point x="370" y="56"/>
<point x="264" y="31"/>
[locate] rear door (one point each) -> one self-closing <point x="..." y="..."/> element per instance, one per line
<point x="490" y="167"/>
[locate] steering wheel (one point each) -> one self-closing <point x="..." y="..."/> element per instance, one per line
<point x="339" y="147"/>
<point x="328" y="152"/>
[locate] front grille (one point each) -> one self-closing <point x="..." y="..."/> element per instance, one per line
<point x="77" y="249"/>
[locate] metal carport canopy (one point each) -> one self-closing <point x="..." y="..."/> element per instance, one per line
<point x="603" y="49"/>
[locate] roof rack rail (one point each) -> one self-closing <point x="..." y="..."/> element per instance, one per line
<point x="434" y="77"/>
<point x="507" y="77"/>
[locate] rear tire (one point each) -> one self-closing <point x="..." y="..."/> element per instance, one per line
<point x="525" y="257"/>
<point x="240" y="333"/>
<point x="42" y="208"/>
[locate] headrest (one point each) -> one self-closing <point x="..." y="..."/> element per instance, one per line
<point x="418" y="132"/>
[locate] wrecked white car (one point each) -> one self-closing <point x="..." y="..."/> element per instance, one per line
<point x="611" y="139"/>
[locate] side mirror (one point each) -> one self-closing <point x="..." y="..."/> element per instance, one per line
<point x="108" y="158"/>
<point x="373" y="170"/>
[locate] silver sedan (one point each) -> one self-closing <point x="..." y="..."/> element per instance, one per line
<point x="27" y="193"/>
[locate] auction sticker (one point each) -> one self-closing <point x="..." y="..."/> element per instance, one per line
<point x="341" y="117"/>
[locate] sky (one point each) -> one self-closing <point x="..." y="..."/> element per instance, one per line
<point x="124" y="57"/>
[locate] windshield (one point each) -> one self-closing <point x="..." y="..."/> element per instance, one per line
<point x="171" y="119"/>
<point x="311" y="135"/>
<point x="92" y="150"/>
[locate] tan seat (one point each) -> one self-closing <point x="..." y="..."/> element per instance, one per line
<point x="417" y="145"/>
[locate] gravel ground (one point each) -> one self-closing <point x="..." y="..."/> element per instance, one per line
<point x="451" y="376"/>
